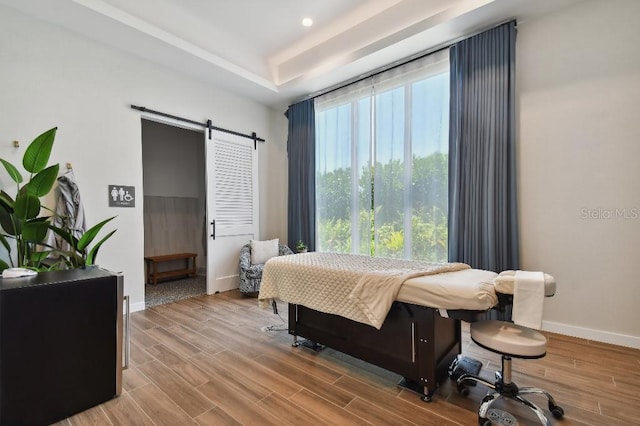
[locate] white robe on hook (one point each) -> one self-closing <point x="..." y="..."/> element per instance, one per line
<point x="69" y="211"/>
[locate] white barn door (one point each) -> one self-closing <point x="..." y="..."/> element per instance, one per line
<point x="232" y="205"/>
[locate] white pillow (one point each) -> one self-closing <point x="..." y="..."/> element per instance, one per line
<point x="261" y="251"/>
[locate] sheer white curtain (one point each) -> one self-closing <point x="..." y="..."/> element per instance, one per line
<point x="381" y="163"/>
<point x="343" y="169"/>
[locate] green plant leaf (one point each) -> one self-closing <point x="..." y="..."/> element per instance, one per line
<point x="27" y="206"/>
<point x="65" y="259"/>
<point x="6" y="201"/>
<point x="90" y="234"/>
<point x="7" y="221"/>
<point x="38" y="256"/>
<point x="62" y="261"/>
<point x="3" y="265"/>
<point x="91" y="257"/>
<point x="41" y="183"/>
<point x="13" y="172"/>
<point x="65" y="235"/>
<point x="7" y="247"/>
<point x="5" y="243"/>
<point x="35" y="231"/>
<point x="6" y="213"/>
<point x="76" y="261"/>
<point x="37" y="155"/>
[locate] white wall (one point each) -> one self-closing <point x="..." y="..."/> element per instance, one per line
<point x="51" y="77"/>
<point x="275" y="162"/>
<point x="578" y="76"/>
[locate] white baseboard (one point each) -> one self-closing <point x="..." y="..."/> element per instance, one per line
<point x="135" y="307"/>
<point x="591" y="334"/>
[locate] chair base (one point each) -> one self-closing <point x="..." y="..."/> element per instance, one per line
<point x="496" y="416"/>
<point x="508" y="390"/>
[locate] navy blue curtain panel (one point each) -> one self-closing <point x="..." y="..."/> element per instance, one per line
<point x="483" y="220"/>
<point x="301" y="148"/>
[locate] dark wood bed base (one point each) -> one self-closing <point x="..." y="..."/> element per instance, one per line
<point x="414" y="341"/>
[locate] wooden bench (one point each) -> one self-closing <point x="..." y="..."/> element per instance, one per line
<point x="153" y="275"/>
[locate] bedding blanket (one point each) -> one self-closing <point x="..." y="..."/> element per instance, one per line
<point x="361" y="288"/>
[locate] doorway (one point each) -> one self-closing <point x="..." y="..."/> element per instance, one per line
<point x="174" y="187"/>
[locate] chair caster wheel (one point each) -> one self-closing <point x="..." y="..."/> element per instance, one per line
<point x="463" y="390"/>
<point x="556" y="411"/>
<point x="484" y="422"/>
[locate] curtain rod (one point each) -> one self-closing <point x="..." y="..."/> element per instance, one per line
<point x="399" y="63"/>
<point x="206" y="125"/>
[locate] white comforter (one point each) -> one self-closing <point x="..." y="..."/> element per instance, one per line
<point x="361" y="288"/>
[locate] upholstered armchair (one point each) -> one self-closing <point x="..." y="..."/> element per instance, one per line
<point x="251" y="275"/>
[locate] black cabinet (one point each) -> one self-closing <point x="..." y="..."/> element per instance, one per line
<point x="60" y="344"/>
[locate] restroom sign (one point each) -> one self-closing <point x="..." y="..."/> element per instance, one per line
<point x="122" y="196"/>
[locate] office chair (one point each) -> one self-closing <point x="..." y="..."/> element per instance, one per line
<point x="510" y="341"/>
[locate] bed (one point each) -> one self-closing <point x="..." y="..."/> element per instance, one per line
<point x="403" y="316"/>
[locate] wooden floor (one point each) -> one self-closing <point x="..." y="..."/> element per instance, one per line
<point x="209" y="360"/>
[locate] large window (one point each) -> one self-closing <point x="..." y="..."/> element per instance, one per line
<point x="381" y="164"/>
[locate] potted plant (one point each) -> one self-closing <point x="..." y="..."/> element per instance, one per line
<point x="301" y="247"/>
<point x="23" y="227"/>
<point x="81" y="255"/>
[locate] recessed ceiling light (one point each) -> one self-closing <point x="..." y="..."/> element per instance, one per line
<point x="307" y="22"/>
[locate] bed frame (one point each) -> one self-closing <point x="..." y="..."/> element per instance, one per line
<point x="414" y="341"/>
